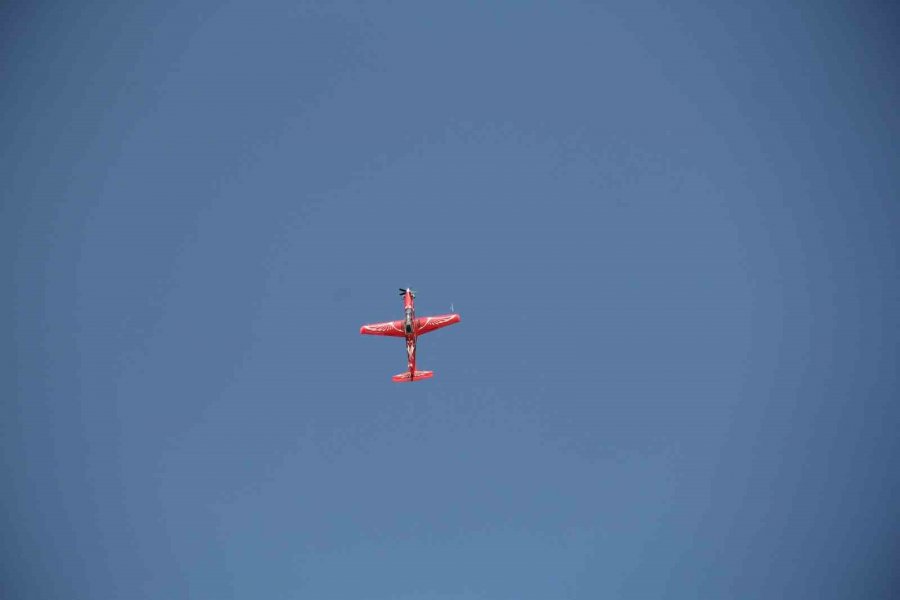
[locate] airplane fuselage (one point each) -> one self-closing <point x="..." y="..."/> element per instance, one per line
<point x="409" y="327"/>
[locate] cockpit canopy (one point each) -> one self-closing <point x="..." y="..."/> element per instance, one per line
<point x="408" y="322"/>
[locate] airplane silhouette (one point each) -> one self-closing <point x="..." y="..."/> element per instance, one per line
<point x="410" y="327"/>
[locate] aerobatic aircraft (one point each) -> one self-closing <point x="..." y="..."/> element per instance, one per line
<point x="410" y="327"/>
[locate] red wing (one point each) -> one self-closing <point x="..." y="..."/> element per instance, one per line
<point x="427" y="324"/>
<point x="394" y="328"/>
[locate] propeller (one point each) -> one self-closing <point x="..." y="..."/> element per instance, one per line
<point x="403" y="291"/>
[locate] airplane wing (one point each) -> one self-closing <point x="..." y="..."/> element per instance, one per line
<point x="393" y="328"/>
<point x="428" y="324"/>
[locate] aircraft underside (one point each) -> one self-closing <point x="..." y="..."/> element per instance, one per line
<point x="410" y="328"/>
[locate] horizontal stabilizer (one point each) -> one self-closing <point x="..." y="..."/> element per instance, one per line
<point x="404" y="377"/>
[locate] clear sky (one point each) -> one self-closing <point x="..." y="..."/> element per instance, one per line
<point x="670" y="230"/>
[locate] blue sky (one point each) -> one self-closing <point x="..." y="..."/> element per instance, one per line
<point x="670" y="233"/>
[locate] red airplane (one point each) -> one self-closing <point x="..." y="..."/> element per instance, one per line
<point x="410" y="327"/>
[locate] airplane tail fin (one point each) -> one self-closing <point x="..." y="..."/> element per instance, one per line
<point x="404" y="377"/>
